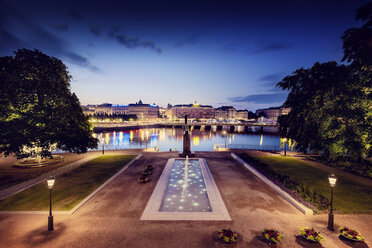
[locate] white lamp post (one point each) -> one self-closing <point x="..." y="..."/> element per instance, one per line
<point x="50" y="182"/>
<point x="332" y="182"/>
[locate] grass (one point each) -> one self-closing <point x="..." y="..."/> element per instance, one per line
<point x="70" y="188"/>
<point x="349" y="196"/>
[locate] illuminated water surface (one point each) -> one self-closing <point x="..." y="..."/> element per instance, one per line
<point x="186" y="190"/>
<point x="171" y="138"/>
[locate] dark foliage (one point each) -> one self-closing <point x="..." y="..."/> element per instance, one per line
<point x="331" y="104"/>
<point x="37" y="108"/>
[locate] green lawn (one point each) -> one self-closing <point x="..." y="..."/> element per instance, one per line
<point x="349" y="195"/>
<point x="70" y="188"/>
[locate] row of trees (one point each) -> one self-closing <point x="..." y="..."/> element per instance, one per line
<point x="331" y="103"/>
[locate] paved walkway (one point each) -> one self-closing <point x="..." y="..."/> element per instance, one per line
<point x="112" y="217"/>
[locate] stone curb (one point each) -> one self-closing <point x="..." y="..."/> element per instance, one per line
<point x="83" y="201"/>
<point x="303" y="209"/>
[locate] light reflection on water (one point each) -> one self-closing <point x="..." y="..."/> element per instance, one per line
<point x="171" y="138"/>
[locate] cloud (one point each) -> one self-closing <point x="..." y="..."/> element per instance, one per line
<point x="191" y="40"/>
<point x="260" y="98"/>
<point x="273" y="47"/>
<point x="60" y="27"/>
<point x="132" y="43"/>
<point x="37" y="37"/>
<point x="95" y="30"/>
<point x="270" y="77"/>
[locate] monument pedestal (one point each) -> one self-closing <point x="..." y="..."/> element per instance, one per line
<point x="186" y="146"/>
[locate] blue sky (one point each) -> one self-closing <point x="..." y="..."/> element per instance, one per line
<point x="212" y="52"/>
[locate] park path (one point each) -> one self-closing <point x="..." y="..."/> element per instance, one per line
<point x="111" y="218"/>
<point x="5" y="193"/>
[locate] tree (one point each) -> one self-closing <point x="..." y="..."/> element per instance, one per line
<point x="37" y="108"/>
<point x="262" y="114"/>
<point x="329" y="111"/>
<point x="331" y="106"/>
<point x="252" y="115"/>
<point x="357" y="42"/>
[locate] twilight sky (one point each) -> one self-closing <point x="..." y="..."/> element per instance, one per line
<point x="213" y="52"/>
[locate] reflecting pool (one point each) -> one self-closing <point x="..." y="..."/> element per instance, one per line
<point x="186" y="190"/>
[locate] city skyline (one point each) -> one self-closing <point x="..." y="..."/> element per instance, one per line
<point x="213" y="52"/>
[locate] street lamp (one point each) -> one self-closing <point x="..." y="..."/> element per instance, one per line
<point x="50" y="182"/>
<point x="332" y="182"/>
<point x="103" y="145"/>
<point x="285" y="146"/>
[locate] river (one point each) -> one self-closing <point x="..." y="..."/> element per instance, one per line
<point x="201" y="140"/>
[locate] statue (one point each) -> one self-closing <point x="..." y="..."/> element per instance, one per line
<point x="186" y="141"/>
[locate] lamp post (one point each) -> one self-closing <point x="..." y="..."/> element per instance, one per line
<point x="332" y="182"/>
<point x="285" y="146"/>
<point x="103" y="145"/>
<point x="50" y="182"/>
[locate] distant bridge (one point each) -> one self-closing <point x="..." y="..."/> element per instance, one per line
<point x="111" y="126"/>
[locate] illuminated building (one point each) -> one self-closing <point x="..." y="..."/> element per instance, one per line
<point x="242" y="115"/>
<point x="225" y="112"/>
<point x="273" y="113"/>
<point x="141" y="110"/>
<point x="193" y="111"/>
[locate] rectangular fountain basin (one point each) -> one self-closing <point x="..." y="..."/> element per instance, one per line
<point x="186" y="194"/>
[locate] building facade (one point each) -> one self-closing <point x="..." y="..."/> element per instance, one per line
<point x="141" y="110"/>
<point x="225" y="112"/>
<point x="193" y="111"/>
<point x="242" y="115"/>
<point x="273" y="113"/>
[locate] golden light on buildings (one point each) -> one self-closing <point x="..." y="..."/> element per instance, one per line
<point x="195" y="140"/>
<point x="162" y="134"/>
<point x="131" y="135"/>
<point x="121" y="136"/>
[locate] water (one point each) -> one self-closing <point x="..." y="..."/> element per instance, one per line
<point x="171" y="138"/>
<point x="186" y="190"/>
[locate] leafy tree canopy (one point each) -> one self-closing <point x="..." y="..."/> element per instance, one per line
<point x="37" y="108"/>
<point x="357" y="42"/>
<point x="331" y="104"/>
